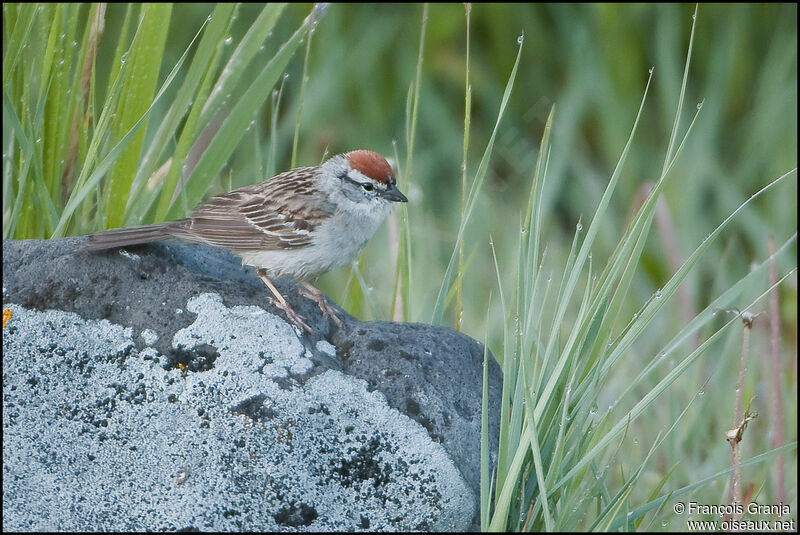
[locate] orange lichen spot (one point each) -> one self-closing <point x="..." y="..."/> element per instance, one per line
<point x="6" y="316"/>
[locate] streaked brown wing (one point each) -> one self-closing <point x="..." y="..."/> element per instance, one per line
<point x="280" y="213"/>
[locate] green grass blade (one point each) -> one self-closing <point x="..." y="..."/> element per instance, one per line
<point x="140" y="85"/>
<point x="503" y="448"/>
<point x="485" y="492"/>
<point x="545" y="360"/>
<point x="517" y="444"/>
<point x="301" y="99"/>
<point x="604" y="521"/>
<point x="668" y="157"/>
<point x="19" y="37"/>
<point x="123" y="43"/>
<point x="57" y="107"/>
<point x="26" y="147"/>
<point x="241" y="58"/>
<point x="537" y="460"/>
<point x="533" y="218"/>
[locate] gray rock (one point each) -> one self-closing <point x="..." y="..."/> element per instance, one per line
<point x="156" y="388"/>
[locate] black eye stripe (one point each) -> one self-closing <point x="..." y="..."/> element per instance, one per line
<point x="368" y="186"/>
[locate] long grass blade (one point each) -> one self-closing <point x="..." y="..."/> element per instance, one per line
<point x="140" y="86"/>
<point x="485" y="492"/>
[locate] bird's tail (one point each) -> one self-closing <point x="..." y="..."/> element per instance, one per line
<point x="120" y="237"/>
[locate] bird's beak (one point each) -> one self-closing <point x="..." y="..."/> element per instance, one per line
<point x="393" y="194"/>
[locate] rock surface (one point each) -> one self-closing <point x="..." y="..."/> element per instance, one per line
<point x="155" y="388"/>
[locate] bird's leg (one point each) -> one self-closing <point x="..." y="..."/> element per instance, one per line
<point x="293" y="317"/>
<point x="319" y="298"/>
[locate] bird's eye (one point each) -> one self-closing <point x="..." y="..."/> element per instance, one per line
<point x="367" y="186"/>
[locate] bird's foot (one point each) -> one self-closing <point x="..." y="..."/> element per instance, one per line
<point x="279" y="301"/>
<point x="319" y="298"/>
<point x="294" y="318"/>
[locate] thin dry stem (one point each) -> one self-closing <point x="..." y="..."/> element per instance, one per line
<point x="734" y="435"/>
<point x="394" y="249"/>
<point x="467" y="103"/>
<point x="529" y="516"/>
<point x="775" y="354"/>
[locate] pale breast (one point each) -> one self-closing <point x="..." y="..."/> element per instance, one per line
<point x="336" y="243"/>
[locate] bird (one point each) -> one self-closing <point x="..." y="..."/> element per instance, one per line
<point x="298" y="224"/>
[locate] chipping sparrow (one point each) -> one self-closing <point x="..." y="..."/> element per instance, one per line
<point x="300" y="223"/>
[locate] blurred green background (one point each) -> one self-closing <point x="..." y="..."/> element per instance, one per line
<point x="591" y="62"/>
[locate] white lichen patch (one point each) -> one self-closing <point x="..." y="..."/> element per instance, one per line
<point x="99" y="436"/>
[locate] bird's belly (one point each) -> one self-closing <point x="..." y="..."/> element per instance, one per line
<point x="334" y="247"/>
